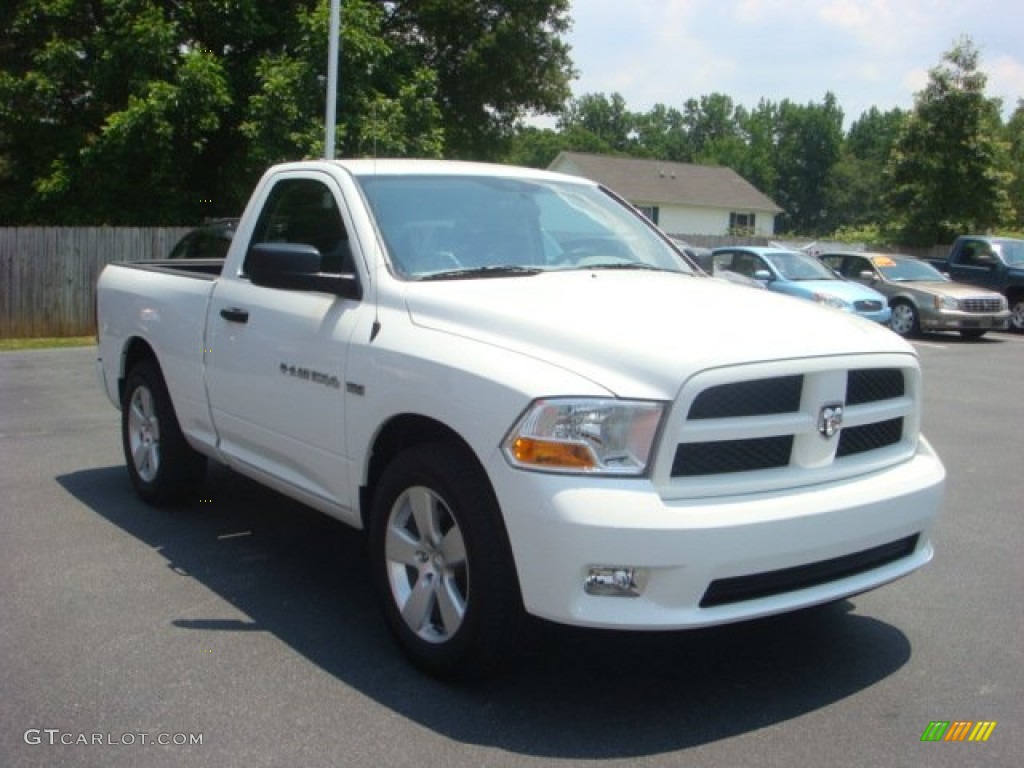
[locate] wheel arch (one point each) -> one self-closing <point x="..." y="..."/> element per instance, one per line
<point x="135" y="351"/>
<point x="400" y="433"/>
<point x="903" y="298"/>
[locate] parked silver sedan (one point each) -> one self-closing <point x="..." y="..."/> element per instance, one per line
<point x="921" y="297"/>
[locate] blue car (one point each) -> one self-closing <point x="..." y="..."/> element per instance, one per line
<point x="800" y="275"/>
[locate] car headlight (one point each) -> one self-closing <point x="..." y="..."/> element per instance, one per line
<point x="830" y="300"/>
<point x="946" y="302"/>
<point x="592" y="435"/>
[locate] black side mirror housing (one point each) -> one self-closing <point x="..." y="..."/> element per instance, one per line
<point x="297" y="267"/>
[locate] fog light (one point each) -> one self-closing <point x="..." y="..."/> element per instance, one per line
<point x="614" y="581"/>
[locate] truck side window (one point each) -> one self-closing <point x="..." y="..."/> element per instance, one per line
<point x="976" y="253"/>
<point x="304" y="211"/>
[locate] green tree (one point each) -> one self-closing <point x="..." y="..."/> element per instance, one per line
<point x="856" y="185"/>
<point x="1014" y="137"/>
<point x="661" y="133"/>
<point x="808" y="147"/>
<point x="713" y="132"/>
<point x="495" y="62"/>
<point x="946" y="173"/>
<point x="598" y="123"/>
<point x="146" y="112"/>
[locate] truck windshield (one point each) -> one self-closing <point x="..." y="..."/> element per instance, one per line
<point x="452" y="227"/>
<point x="1013" y="252"/>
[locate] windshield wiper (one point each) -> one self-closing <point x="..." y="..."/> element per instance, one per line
<point x="494" y="270"/>
<point x="631" y="265"/>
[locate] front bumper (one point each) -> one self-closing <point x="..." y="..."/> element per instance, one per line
<point x="561" y="527"/>
<point x="955" y="320"/>
<point x="881" y="316"/>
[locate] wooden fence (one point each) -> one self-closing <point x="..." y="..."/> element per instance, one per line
<point x="48" y="274"/>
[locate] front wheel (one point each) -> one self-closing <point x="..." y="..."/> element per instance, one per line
<point x="1017" y="314"/>
<point x="163" y="467"/>
<point x="904" y="319"/>
<point x="442" y="563"/>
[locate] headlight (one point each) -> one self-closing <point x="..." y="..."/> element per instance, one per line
<point x="829" y="300"/>
<point x="946" y="302"/>
<point x="602" y="436"/>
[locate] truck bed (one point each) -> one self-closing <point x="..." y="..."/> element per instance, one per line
<point x="202" y="268"/>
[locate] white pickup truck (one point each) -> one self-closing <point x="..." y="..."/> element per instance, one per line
<point x="532" y="403"/>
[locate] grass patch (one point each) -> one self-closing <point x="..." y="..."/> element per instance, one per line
<point x="10" y="345"/>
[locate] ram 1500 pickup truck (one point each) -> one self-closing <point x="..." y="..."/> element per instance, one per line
<point x="997" y="263"/>
<point x="516" y="384"/>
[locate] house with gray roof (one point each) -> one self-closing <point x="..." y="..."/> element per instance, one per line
<point x="680" y="198"/>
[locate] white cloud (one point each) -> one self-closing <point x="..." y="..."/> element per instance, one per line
<point x="1006" y="80"/>
<point x="867" y="52"/>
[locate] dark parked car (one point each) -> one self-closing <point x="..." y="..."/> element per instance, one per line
<point x="210" y="241"/>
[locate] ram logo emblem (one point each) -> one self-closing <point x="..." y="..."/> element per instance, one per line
<point x="830" y="419"/>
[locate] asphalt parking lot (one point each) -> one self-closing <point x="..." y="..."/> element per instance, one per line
<point x="240" y="631"/>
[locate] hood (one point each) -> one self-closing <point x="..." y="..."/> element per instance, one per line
<point x="957" y="290"/>
<point x="640" y="334"/>
<point x="844" y="289"/>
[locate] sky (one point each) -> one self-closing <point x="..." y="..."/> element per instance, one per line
<point x="866" y="52"/>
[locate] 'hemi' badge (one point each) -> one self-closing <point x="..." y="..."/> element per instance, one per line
<point x="830" y="419"/>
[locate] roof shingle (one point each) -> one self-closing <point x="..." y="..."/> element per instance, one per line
<point x="656" y="181"/>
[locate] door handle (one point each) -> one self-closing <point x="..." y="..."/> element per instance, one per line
<point x="235" y="314"/>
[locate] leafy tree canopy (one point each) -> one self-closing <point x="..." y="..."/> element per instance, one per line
<point x="947" y="171"/>
<point x="145" y="112"/>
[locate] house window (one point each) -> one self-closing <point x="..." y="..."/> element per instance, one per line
<point x="741" y="223"/>
<point x="650" y="211"/>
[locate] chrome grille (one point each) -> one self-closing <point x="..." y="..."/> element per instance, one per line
<point x="981" y="305"/>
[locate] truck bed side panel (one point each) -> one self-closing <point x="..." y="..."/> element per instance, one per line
<point x="166" y="309"/>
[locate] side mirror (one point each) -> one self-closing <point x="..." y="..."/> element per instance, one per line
<point x="866" y="275"/>
<point x="763" y="275"/>
<point x="297" y="267"/>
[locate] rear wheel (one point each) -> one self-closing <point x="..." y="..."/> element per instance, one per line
<point x="163" y="467"/>
<point x="442" y="563"/>
<point x="904" y="320"/>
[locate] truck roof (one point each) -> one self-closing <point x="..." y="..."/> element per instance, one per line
<point x="414" y="166"/>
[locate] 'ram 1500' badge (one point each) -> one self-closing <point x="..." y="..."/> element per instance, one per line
<point x="830" y="419"/>
<point x="307" y="374"/>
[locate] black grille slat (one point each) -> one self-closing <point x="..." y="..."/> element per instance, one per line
<point x="757" y="585"/>
<point x="724" y="456"/>
<point x="869" y="437"/>
<point x="870" y="385"/>
<point x="867" y="305"/>
<point x="749" y="398"/>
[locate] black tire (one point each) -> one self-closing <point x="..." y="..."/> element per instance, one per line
<point x="442" y="564"/>
<point x="972" y="334"/>
<point x="163" y="467"/>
